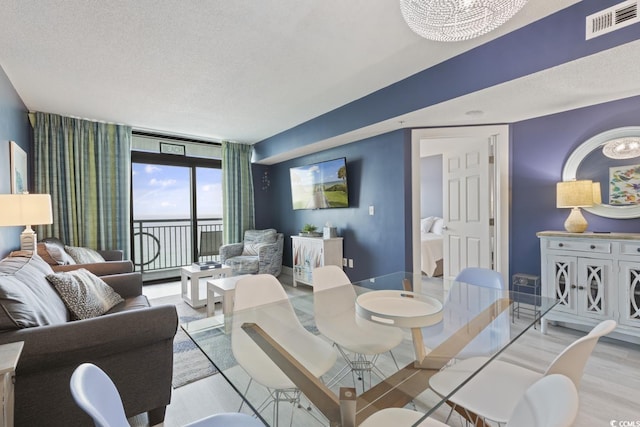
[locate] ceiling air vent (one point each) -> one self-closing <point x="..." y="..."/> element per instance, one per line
<point x="611" y="19"/>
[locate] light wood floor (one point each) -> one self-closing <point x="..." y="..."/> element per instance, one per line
<point x="610" y="388"/>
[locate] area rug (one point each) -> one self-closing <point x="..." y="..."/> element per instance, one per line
<point x="189" y="363"/>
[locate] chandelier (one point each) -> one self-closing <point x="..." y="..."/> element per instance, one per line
<point x="457" y="20"/>
<point x="622" y="148"/>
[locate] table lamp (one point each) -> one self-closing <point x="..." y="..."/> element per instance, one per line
<point x="26" y="209"/>
<point x="576" y="195"/>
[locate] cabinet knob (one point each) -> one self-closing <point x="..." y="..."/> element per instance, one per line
<point x="560" y="245"/>
<point x="573" y="286"/>
<point x="592" y="246"/>
<point x="581" y="287"/>
<point x="638" y="249"/>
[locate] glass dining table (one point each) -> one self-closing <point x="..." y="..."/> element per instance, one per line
<point x="439" y="326"/>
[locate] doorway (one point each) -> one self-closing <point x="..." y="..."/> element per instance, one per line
<point x="443" y="141"/>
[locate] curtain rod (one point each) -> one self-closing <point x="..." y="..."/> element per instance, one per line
<point x="173" y="137"/>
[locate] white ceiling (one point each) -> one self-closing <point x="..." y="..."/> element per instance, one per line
<point x="244" y="70"/>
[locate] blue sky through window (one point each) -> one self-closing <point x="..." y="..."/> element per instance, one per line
<point x="163" y="192"/>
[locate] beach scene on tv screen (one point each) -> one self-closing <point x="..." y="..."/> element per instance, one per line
<point x="319" y="186"/>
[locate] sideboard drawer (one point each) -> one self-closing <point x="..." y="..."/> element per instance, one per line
<point x="630" y="248"/>
<point x="572" y="245"/>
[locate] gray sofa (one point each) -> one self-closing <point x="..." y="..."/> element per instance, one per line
<point x="132" y="343"/>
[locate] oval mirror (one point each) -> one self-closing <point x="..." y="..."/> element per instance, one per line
<point x="619" y="178"/>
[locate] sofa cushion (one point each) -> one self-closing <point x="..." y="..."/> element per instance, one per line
<point x="85" y="294"/>
<point x="244" y="264"/>
<point x="83" y="255"/>
<point x="57" y="252"/>
<point x="255" y="239"/>
<point x="26" y="297"/>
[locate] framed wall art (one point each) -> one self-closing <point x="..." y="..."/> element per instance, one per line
<point x="18" y="167"/>
<point x="624" y="185"/>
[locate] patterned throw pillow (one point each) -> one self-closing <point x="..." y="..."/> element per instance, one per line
<point x="258" y="239"/>
<point x="84" y="293"/>
<point x="83" y="255"/>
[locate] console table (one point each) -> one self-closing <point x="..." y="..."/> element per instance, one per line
<point x="312" y="252"/>
<point x="594" y="276"/>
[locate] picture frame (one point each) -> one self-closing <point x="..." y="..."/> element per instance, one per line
<point x="19" y="169"/>
<point x="624" y="185"/>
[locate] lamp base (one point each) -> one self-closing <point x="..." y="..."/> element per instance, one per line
<point x="575" y="222"/>
<point x="28" y="239"/>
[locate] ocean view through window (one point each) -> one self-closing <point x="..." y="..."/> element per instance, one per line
<point x="172" y="205"/>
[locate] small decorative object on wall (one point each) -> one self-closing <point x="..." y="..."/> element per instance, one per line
<point x="624" y="185"/>
<point x="18" y="166"/>
<point x="177" y="149"/>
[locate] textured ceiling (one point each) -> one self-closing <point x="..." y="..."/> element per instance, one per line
<point x="240" y="70"/>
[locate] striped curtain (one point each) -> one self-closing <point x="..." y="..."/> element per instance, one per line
<point x="86" y="167"/>
<point x="237" y="191"/>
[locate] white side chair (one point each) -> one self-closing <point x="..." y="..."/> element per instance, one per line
<point x="95" y="393"/>
<point x="462" y="304"/>
<point x="359" y="341"/>
<point x="552" y="401"/>
<point x="261" y="299"/>
<point x="494" y="392"/>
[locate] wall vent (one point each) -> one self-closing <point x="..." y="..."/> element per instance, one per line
<point x="612" y="18"/>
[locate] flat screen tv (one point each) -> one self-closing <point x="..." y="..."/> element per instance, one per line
<point x="320" y="185"/>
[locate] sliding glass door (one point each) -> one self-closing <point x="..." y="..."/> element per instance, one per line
<point x="176" y="211"/>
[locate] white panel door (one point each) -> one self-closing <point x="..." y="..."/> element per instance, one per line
<point x="467" y="206"/>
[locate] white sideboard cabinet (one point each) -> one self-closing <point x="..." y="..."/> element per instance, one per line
<point x="593" y="276"/>
<point x="312" y="252"/>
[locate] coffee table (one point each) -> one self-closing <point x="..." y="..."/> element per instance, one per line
<point x="191" y="291"/>
<point x="225" y="288"/>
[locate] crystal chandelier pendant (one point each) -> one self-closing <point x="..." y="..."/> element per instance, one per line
<point x="457" y="20"/>
<point x="622" y="148"/>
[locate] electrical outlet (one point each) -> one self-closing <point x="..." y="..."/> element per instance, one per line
<point x="344" y="262"/>
<point x="350" y="263"/>
<point x="372" y="210"/>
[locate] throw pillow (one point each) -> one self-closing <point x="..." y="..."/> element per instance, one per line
<point x="58" y="254"/>
<point x="83" y="255"/>
<point x="255" y="239"/>
<point x="84" y="293"/>
<point x="42" y="252"/>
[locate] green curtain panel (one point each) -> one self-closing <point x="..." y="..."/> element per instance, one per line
<point x="86" y="167"/>
<point x="237" y="191"/>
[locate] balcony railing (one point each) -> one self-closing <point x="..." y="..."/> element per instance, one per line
<point x="162" y="246"/>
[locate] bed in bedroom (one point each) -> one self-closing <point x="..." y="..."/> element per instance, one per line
<point x="431" y="246"/>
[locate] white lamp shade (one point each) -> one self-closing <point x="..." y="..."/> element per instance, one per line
<point x="25" y="209"/>
<point x="574" y="194"/>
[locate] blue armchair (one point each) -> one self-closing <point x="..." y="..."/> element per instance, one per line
<point x="259" y="253"/>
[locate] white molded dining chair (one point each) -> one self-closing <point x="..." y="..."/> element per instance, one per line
<point x="552" y="401"/>
<point x="465" y="302"/>
<point x="359" y="341"/>
<point x="261" y="299"/>
<point x="508" y="382"/>
<point x="95" y="393"/>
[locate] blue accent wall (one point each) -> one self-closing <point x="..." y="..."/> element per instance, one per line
<point x="540" y="147"/>
<point x="14" y="126"/>
<point x="376" y="175"/>
<point x="552" y="41"/>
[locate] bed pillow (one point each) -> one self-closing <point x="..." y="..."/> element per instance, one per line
<point x="85" y="294"/>
<point x="426" y="224"/>
<point x="436" y="228"/>
<point x="83" y="255"/>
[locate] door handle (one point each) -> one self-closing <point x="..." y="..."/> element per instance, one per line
<point x="444" y="227"/>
